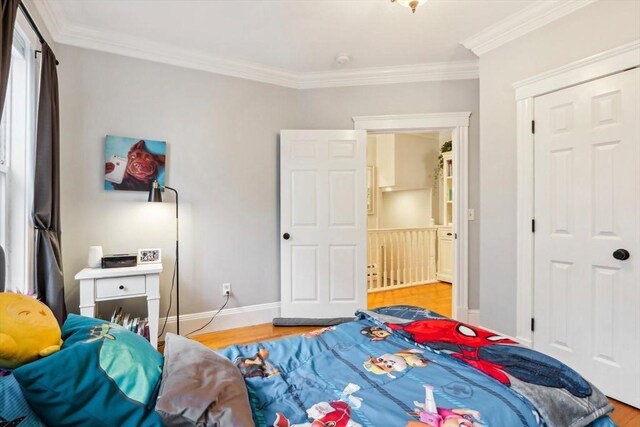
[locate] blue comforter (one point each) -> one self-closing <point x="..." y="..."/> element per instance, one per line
<point x="405" y="366"/>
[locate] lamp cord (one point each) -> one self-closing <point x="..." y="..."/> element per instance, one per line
<point x="213" y="317"/>
<point x="173" y="279"/>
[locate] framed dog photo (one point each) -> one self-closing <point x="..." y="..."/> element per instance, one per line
<point x="132" y="164"/>
<point x="149" y="256"/>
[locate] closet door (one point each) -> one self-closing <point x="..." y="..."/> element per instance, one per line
<point x="587" y="238"/>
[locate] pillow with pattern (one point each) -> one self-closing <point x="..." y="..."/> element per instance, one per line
<point x="104" y="375"/>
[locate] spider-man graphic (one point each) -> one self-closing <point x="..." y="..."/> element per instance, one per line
<point x="493" y="354"/>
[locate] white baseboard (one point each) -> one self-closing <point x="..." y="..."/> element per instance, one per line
<point x="229" y="318"/>
<point x="403" y="286"/>
<point x="524" y="341"/>
<point x="461" y="314"/>
<point x="473" y="316"/>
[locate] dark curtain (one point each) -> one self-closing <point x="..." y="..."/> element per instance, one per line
<point x="9" y="11"/>
<point x="7" y="22"/>
<point x="46" y="196"/>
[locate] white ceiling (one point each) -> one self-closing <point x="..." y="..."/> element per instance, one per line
<point x="286" y="38"/>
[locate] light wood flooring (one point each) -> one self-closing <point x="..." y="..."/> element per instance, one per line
<point x="435" y="297"/>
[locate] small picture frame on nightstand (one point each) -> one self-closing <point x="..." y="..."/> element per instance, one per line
<point x="149" y="256"/>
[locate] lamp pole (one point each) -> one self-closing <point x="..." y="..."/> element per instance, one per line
<point x="156" y="196"/>
<point x="177" y="264"/>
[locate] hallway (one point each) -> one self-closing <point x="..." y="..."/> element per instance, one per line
<point x="434" y="296"/>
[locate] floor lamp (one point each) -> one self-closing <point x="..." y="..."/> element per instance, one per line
<point x="155" y="195"/>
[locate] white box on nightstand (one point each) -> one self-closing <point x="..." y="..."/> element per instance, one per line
<point x="106" y="284"/>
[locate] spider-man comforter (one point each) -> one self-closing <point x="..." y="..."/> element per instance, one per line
<point x="408" y="367"/>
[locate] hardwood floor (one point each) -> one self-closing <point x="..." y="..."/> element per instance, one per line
<point x="434" y="296"/>
<point x="249" y="334"/>
<point x="625" y="415"/>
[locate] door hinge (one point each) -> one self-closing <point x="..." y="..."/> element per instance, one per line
<point x="533" y="126"/>
<point x="533" y="225"/>
<point x="533" y="324"/>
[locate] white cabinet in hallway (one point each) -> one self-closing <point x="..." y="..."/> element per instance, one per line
<point x="445" y="255"/>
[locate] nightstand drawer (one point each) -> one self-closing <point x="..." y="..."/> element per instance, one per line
<point x="117" y="287"/>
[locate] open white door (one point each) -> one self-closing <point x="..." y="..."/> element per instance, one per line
<point x="587" y="237"/>
<point x="323" y="188"/>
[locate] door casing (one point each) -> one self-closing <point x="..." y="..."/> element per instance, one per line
<point x="458" y="124"/>
<point x="609" y="62"/>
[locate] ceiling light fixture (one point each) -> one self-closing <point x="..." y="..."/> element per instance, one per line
<point x="411" y="4"/>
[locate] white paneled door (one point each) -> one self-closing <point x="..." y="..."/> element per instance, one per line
<point x="587" y="236"/>
<point x="323" y="189"/>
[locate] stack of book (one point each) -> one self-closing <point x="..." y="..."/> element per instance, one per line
<point x="137" y="325"/>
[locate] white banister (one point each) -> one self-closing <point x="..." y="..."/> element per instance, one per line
<point x="400" y="257"/>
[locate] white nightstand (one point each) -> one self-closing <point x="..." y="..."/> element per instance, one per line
<point x="106" y="284"/>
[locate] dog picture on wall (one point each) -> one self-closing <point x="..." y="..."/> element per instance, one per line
<point x="132" y="164"/>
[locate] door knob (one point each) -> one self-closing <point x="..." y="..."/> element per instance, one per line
<point x="621" y="254"/>
<point x="286" y="236"/>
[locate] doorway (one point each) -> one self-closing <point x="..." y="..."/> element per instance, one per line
<point x="410" y="219"/>
<point x="323" y="213"/>
<point x="455" y="125"/>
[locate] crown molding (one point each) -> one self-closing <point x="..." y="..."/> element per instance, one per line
<point x="52" y="17"/>
<point x="64" y="32"/>
<point x="459" y="70"/>
<point x="523" y="22"/>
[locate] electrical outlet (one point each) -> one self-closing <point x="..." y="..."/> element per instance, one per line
<point x="471" y="214"/>
<point x="226" y="289"/>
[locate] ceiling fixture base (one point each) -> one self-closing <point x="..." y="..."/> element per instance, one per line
<point x="411" y="4"/>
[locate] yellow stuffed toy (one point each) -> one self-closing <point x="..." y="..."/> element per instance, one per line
<point x="28" y="330"/>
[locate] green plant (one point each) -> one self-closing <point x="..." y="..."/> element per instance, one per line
<point x="445" y="148"/>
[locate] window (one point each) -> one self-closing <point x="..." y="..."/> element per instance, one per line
<point x="16" y="166"/>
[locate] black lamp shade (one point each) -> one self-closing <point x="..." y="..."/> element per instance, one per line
<point x="155" y="195"/>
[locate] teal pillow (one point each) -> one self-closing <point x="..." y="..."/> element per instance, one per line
<point x="103" y="376"/>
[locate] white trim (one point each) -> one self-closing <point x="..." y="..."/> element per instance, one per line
<point x="405" y="286"/>
<point x="460" y="144"/>
<point x="411" y="121"/>
<point x="229" y="318"/>
<point x="525" y="213"/>
<point x="473" y="316"/>
<point x="437" y="71"/>
<point x="64" y="32"/>
<point x="520" y="23"/>
<point x="458" y="123"/>
<point x="596" y="66"/>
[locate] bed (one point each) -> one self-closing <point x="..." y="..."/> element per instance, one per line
<point x="397" y="366"/>
<point x="406" y="366"/>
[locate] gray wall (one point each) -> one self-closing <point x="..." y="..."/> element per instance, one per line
<point x="223" y="152"/>
<point x="333" y="108"/>
<point x="222" y="135"/>
<point x="595" y="28"/>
